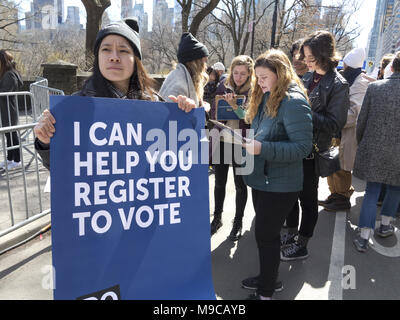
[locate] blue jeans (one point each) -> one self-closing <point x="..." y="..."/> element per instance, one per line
<point x="368" y="208"/>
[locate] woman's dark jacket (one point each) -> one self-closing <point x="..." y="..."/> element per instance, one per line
<point x="329" y="104"/>
<point x="10" y="82"/>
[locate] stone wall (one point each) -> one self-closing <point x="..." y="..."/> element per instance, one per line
<point x="61" y="75"/>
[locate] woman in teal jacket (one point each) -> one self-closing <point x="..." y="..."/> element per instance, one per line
<point x="280" y="115"/>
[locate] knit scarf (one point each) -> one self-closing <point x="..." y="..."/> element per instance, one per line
<point x="350" y="74"/>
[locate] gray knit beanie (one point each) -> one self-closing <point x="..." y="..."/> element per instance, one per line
<point x="129" y="29"/>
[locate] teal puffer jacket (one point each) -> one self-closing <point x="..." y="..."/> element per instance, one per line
<point x="286" y="141"/>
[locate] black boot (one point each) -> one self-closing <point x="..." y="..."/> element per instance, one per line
<point x="216" y="223"/>
<point x="236" y="232"/>
<point x="339" y="203"/>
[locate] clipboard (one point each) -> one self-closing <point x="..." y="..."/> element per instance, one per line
<point x="236" y="136"/>
<point x="224" y="110"/>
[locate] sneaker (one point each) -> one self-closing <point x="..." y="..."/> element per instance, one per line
<point x="288" y="238"/>
<point x="361" y="244"/>
<point x="256" y="296"/>
<point x="294" y="251"/>
<point x="12" y="165"/>
<point x="339" y="203"/>
<point x="3" y="164"/>
<point x="385" y="231"/>
<point x="252" y="284"/>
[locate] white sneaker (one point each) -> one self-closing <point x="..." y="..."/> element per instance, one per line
<point x="12" y="165"/>
<point x="3" y="164"/>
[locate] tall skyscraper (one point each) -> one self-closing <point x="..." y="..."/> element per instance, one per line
<point x="41" y="10"/>
<point x="141" y="15"/>
<point x="73" y="16"/>
<point x="162" y="15"/>
<point x="126" y="8"/>
<point x="385" y="33"/>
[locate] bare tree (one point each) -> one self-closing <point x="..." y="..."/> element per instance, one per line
<point x="235" y="16"/>
<point x="9" y="22"/>
<point x="206" y="7"/>
<point x="94" y="12"/>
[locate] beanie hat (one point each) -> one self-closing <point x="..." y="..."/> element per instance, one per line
<point x="129" y="29"/>
<point x="355" y="58"/>
<point x="218" y="66"/>
<point x="191" y="49"/>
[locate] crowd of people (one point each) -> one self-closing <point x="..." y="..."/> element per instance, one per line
<point x="298" y="109"/>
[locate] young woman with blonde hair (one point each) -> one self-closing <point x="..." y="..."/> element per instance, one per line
<point x="238" y="82"/>
<point x="280" y="116"/>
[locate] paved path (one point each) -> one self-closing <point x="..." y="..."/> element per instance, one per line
<point x="334" y="269"/>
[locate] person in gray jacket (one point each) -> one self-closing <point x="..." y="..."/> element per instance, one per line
<point x="378" y="155"/>
<point x="10" y="81"/>
<point x="280" y="115"/>
<point x="189" y="77"/>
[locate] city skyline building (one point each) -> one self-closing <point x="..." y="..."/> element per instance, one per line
<point x="73" y="16"/>
<point x="126" y="8"/>
<point x="385" y="34"/>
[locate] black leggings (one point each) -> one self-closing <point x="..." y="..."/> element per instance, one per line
<point x="221" y="176"/>
<point x="271" y="210"/>
<point x="12" y="140"/>
<point x="308" y="201"/>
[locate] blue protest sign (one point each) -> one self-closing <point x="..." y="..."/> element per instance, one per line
<point x="129" y="198"/>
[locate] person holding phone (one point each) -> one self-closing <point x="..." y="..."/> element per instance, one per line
<point x="238" y="82"/>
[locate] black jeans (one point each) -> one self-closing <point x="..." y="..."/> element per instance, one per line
<point x="271" y="210"/>
<point x="12" y="140"/>
<point x="221" y="176"/>
<point x="309" y="202"/>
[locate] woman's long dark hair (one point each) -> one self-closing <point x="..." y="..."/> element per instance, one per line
<point x="323" y="48"/>
<point x="6" y="62"/>
<point x="140" y="81"/>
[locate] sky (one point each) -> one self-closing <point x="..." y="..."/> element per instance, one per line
<point x="364" y="17"/>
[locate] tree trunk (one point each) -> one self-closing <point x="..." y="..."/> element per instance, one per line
<point x="274" y="23"/>
<point x="194" y="27"/>
<point x="94" y="12"/>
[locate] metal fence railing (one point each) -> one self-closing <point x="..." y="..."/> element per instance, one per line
<point x="21" y="183"/>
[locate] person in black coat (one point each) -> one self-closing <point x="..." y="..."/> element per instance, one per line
<point x="328" y="92"/>
<point x="10" y="81"/>
<point x="118" y="72"/>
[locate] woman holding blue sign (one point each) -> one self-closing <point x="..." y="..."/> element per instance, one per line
<point x="280" y="115"/>
<point x="118" y="72"/>
<point x="238" y="83"/>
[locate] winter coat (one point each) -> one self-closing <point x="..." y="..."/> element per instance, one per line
<point x="378" y="133"/>
<point x="286" y="140"/>
<point x="348" y="142"/>
<point x="179" y="82"/>
<point x="329" y="104"/>
<point x="10" y="82"/>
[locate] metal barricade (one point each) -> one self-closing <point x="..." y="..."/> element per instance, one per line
<point x="21" y="184"/>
